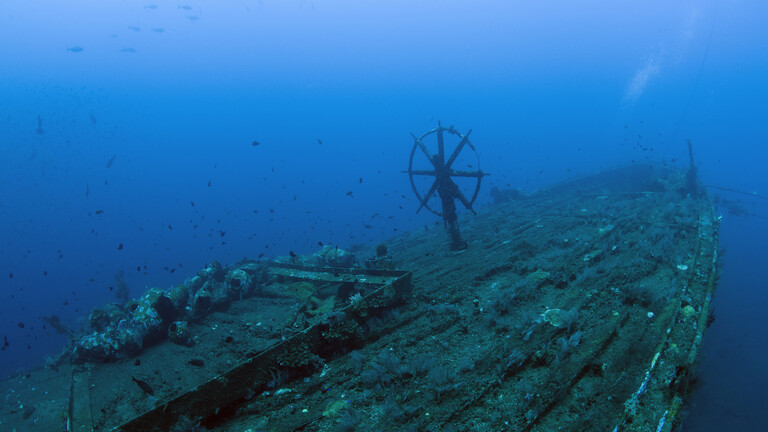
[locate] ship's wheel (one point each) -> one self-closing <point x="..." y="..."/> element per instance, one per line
<point x="442" y="169"/>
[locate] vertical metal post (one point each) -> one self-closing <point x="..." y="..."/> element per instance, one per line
<point x="450" y="220"/>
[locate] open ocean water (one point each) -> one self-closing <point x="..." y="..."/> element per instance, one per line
<point x="142" y="140"/>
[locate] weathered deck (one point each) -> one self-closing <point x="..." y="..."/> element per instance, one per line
<point x="624" y="261"/>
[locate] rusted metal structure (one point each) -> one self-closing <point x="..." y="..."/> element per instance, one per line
<point x="442" y="170"/>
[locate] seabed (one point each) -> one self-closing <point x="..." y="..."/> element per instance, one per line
<point x="579" y="307"/>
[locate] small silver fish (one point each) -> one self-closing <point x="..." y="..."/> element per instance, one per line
<point x="158" y="30"/>
<point x="128" y="50"/>
<point x="75" y="49"/>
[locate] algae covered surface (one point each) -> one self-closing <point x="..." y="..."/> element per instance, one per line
<point x="578" y="307"/>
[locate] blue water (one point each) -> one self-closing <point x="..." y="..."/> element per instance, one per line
<point x="141" y="123"/>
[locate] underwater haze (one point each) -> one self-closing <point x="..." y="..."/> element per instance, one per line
<point x="142" y="140"/>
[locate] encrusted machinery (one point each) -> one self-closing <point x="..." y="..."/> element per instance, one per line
<point x="307" y="339"/>
<point x="300" y="316"/>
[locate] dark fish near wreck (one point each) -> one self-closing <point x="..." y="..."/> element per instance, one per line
<point x="28" y="411"/>
<point x="144" y="386"/>
<point x="39" y="129"/>
<point x="75" y="49"/>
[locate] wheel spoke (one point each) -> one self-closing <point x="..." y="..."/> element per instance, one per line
<point x="423" y="148"/>
<point x="458" y="148"/>
<point x="467" y="174"/>
<point x="428" y="196"/>
<point x="440" y="145"/>
<point x="464" y="200"/>
<point x="422" y="172"/>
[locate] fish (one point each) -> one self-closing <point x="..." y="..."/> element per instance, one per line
<point x="39" y="129"/>
<point x="144" y="386"/>
<point x="197" y="362"/>
<point x="255" y="143"/>
<point x="75" y="49"/>
<point x="134" y="28"/>
<point x="319" y="141"/>
<point x="20" y="324"/>
<point x="193" y="18"/>
<point x="99" y="211"/>
<point x="186" y="7"/>
<point x="158" y="30"/>
<point x="111" y="161"/>
<point x="128" y="50"/>
<point x="28" y="411"/>
<point x="120" y="246"/>
<point x="151" y="6"/>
